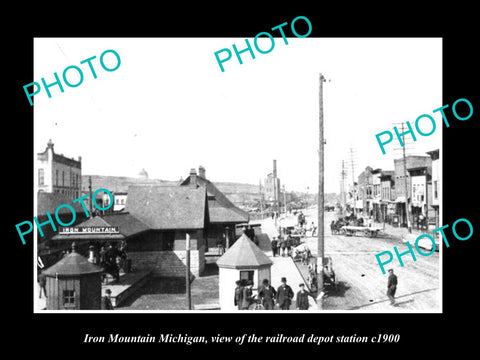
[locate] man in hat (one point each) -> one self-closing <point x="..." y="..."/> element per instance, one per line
<point x="391" y="286"/>
<point x="238" y="295"/>
<point x="302" y="298"/>
<point x="284" y="295"/>
<point x="247" y="297"/>
<point x="267" y="294"/>
<point x="274" y="246"/>
<point x="106" y="302"/>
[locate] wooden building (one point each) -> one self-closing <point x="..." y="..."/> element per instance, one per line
<point x="73" y="283"/>
<point x="243" y="261"/>
<point x="170" y="212"/>
<point x="153" y="229"/>
<point x="223" y="214"/>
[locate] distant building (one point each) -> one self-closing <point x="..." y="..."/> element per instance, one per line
<point x="435" y="188"/>
<point x="272" y="187"/>
<point x="59" y="174"/>
<point x="119" y="201"/>
<point x="418" y="173"/>
<point x="387" y="195"/>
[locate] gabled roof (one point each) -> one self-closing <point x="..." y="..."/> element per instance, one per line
<point x="218" y="200"/>
<point x="72" y="264"/>
<point x="244" y="254"/>
<point x="50" y="201"/>
<point x="168" y="207"/>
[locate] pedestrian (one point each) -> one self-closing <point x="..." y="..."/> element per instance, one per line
<point x="106" y="302"/>
<point x="267" y="295"/>
<point x="237" y="300"/>
<point x="283" y="246"/>
<point x="314" y="228"/>
<point x="274" y="244"/>
<point x="391" y="286"/>
<point x="42" y="282"/>
<point x="284" y="295"/>
<point x="288" y="244"/>
<point x="302" y="298"/>
<point x="247" y="297"/>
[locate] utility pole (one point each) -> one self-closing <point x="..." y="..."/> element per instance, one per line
<point x="187" y="272"/>
<point x="407" y="209"/>
<point x="321" y="200"/>
<point x="343" y="193"/>
<point x="90" y="191"/>
<point x="353" y="182"/>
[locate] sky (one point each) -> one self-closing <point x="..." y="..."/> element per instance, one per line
<point x="169" y="108"/>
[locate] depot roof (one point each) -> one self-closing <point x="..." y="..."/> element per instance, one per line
<point x="169" y="207"/>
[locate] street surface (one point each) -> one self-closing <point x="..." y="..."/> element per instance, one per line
<point x="361" y="284"/>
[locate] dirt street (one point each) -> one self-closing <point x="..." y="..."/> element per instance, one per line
<point x="361" y="284"/>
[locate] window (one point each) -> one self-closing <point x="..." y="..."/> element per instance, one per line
<point x="69" y="298"/>
<point x="41" y="177"/>
<point x="246" y="275"/>
<point x="56" y="177"/>
<point x="435" y="189"/>
<point x="63" y="178"/>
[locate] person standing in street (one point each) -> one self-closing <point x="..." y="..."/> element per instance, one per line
<point x="302" y="298"/>
<point x="267" y="294"/>
<point x="284" y="295"/>
<point x="237" y="300"/>
<point x="106" y="302"/>
<point x="247" y="298"/>
<point x="274" y="244"/>
<point x="42" y="282"/>
<point x="391" y="286"/>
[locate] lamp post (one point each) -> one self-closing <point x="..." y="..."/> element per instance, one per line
<point x="187" y="272"/>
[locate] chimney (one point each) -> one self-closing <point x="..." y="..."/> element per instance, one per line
<point x="201" y="172"/>
<point x="274" y="168"/>
<point x="193" y="177"/>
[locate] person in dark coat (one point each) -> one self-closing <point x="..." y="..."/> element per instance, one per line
<point x="106" y="302"/>
<point x="288" y="244"/>
<point x="42" y="282"/>
<point x="267" y="294"/>
<point x="274" y="247"/>
<point x="284" y="295"/>
<point x="391" y="286"/>
<point x="302" y="298"/>
<point x="283" y="246"/>
<point x="237" y="300"/>
<point x="247" y="297"/>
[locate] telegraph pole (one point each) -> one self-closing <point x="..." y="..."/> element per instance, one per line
<point x="321" y="201"/>
<point x="407" y="209"/>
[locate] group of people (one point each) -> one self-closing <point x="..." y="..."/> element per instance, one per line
<point x="267" y="296"/>
<point x="282" y="246"/>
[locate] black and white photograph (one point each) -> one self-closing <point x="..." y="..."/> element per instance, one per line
<point x="296" y="181"/>
<point x="188" y="183"/>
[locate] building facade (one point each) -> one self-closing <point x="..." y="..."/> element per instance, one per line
<point x="58" y="174"/>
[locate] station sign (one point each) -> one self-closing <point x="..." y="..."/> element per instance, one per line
<point x="90" y="230"/>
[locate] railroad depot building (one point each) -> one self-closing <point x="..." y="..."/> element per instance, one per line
<point x="153" y="227"/>
<point x="224" y="216"/>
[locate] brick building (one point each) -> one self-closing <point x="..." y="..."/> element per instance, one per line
<point x="58" y="174"/>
